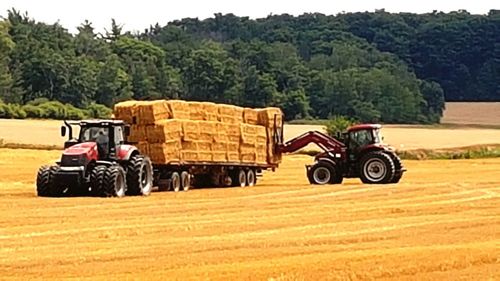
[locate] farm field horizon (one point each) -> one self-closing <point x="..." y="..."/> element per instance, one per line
<point x="432" y="225"/>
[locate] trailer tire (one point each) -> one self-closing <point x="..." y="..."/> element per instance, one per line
<point x="376" y="168"/>
<point x="251" y="178"/>
<point x="175" y="182"/>
<point x="321" y="173"/>
<point x="239" y="178"/>
<point x="115" y="181"/>
<point x="185" y="181"/>
<point x="139" y="176"/>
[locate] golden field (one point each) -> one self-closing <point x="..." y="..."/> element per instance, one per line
<point x="441" y="222"/>
<point x="479" y="113"/>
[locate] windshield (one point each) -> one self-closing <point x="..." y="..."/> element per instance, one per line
<point x="92" y="133"/>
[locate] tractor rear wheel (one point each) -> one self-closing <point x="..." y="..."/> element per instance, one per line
<point x="399" y="169"/>
<point x="45" y="186"/>
<point x="376" y="168"/>
<point x="114" y="182"/>
<point x="321" y="173"/>
<point x="139" y="176"/>
<point x="97" y="181"/>
<point x="185" y="181"/>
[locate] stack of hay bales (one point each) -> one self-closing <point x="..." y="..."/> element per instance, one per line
<point x="181" y="131"/>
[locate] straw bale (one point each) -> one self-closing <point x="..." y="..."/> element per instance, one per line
<point x="192" y="156"/>
<point x="219" y="156"/>
<point x="196" y="111"/>
<point x="196" y="146"/>
<point x="230" y="114"/>
<point x="179" y="109"/>
<point x="143" y="147"/>
<point x="164" y="130"/>
<point x="125" y="111"/>
<point x="250" y="116"/>
<point x="211" y="111"/>
<point x="208" y="130"/>
<point x="137" y="133"/>
<point x="190" y="130"/>
<point x="233" y="157"/>
<point x="150" y="111"/>
<point x="165" y="152"/>
<point x="219" y="146"/>
<point x="266" y="116"/>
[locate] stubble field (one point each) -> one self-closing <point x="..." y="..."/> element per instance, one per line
<point x="441" y="222"/>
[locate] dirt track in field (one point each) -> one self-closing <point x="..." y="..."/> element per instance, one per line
<point x="441" y="222"/>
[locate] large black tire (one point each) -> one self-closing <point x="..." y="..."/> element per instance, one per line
<point x="139" y="176"/>
<point x="251" y="177"/>
<point x="45" y="186"/>
<point x="115" y="182"/>
<point x="399" y="169"/>
<point x="97" y="181"/>
<point x="377" y="168"/>
<point x="185" y="181"/>
<point x="239" y="178"/>
<point x="175" y="182"/>
<point x="321" y="172"/>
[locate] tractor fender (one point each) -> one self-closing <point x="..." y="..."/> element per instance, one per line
<point x="126" y="151"/>
<point x="327" y="160"/>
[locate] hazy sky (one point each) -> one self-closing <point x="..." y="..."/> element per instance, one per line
<point x="138" y="15"/>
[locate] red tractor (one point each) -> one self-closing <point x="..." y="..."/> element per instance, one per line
<point x="358" y="153"/>
<point x="97" y="163"/>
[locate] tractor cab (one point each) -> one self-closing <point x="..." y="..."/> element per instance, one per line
<point x="107" y="134"/>
<point x="361" y="137"/>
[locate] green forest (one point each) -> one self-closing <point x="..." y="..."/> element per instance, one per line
<point x="371" y="66"/>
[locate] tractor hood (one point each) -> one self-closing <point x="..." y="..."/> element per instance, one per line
<point x="79" y="154"/>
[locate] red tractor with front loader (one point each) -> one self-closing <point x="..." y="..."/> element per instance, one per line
<point x="98" y="162"/>
<point x="357" y="153"/>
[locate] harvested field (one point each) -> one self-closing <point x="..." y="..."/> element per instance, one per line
<point x="441" y="222"/>
<point x="479" y="113"/>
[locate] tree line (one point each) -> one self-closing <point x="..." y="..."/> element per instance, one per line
<point x="373" y="67"/>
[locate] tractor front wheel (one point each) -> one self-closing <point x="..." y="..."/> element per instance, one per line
<point x="321" y="172"/>
<point x="45" y="186"/>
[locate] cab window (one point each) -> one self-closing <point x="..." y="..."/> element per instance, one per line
<point x="360" y="138"/>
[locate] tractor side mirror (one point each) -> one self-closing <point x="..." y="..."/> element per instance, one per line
<point x="63" y="131"/>
<point x="126" y="131"/>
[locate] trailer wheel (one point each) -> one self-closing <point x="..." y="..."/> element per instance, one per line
<point x="185" y="181"/>
<point x="175" y="182"/>
<point x="377" y="168"/>
<point x="115" y="181"/>
<point x="239" y="178"/>
<point x="321" y="173"/>
<point x="97" y="181"/>
<point x="45" y="181"/>
<point x="251" y="178"/>
<point x="139" y="176"/>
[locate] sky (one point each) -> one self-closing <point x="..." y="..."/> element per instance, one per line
<point x="138" y="15"/>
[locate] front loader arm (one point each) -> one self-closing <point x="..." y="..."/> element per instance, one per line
<point x="322" y="140"/>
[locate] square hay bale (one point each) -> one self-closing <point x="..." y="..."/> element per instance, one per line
<point x="230" y="114"/>
<point x="219" y="146"/>
<point x="233" y="157"/>
<point x="190" y="130"/>
<point x="208" y="130"/>
<point x="125" y="111"/>
<point x="167" y="152"/>
<point x="199" y="146"/>
<point x="137" y="134"/>
<point x="196" y="111"/>
<point x="148" y="112"/>
<point x="219" y="156"/>
<point x="164" y="130"/>
<point x="194" y="156"/>
<point x="250" y="116"/>
<point x="266" y="116"/>
<point x="143" y="147"/>
<point x="211" y="111"/>
<point x="179" y="109"/>
<point x="233" y="132"/>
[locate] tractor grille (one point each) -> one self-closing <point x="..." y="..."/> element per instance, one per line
<point x="74" y="160"/>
